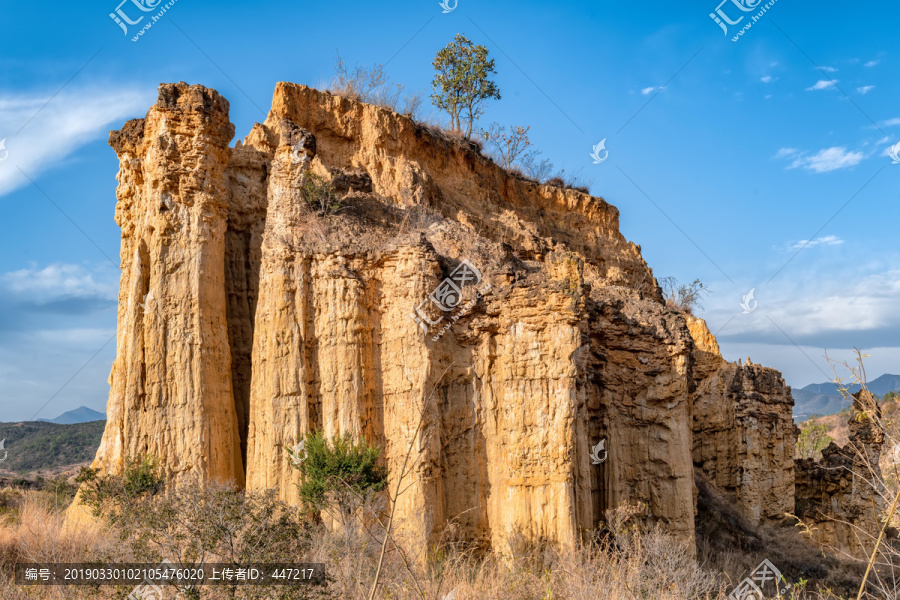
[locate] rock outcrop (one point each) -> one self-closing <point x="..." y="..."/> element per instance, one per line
<point x="504" y="330"/>
<point x="744" y="434"/>
<point x="839" y="497"/>
<point x="171" y="387"/>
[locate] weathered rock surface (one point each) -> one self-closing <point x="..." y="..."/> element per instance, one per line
<point x="171" y="386"/>
<point x="838" y="497"/>
<point x="744" y="434"/>
<point x="270" y="319"/>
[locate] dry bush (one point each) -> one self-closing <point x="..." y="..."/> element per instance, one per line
<point x="449" y="135"/>
<point x="418" y="219"/>
<point x="373" y="86"/>
<point x="569" y="182"/>
<point x="683" y="297"/>
<point x="38" y="533"/>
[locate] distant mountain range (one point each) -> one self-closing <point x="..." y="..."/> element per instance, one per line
<point x="824" y="398"/>
<point x="82" y="414"/>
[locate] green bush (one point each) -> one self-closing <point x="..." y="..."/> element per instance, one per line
<point x="110" y="494"/>
<point x="813" y="439"/>
<point x="341" y="472"/>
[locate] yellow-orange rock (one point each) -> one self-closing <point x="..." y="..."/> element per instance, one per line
<point x="271" y="319"/>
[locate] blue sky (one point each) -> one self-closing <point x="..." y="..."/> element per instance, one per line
<point x="758" y="164"/>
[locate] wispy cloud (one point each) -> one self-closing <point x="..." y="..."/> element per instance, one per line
<point x="767" y="79"/>
<point x="835" y="311"/>
<point x="58" y="282"/>
<point x="822" y="84"/>
<point x="827" y="69"/>
<point x="828" y="240"/>
<point x="823" y="161"/>
<point x="872" y="63"/>
<point x="865" y="89"/>
<point x="649" y="90"/>
<point x="891" y="122"/>
<point x="56" y="129"/>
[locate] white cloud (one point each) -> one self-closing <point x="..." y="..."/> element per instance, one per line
<point x="865" y="89"/>
<point x="872" y="63"/>
<point x="828" y="240"/>
<point x="822" y="84"/>
<point x="52" y="131"/>
<point x="891" y="122"/>
<point x="649" y="90"/>
<point x="821" y="308"/>
<point x="767" y="79"/>
<point x="60" y="281"/>
<point x="786" y="152"/>
<point x="827" y="160"/>
<point x="827" y="69"/>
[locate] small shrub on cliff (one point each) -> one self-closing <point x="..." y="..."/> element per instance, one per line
<point x="373" y="86"/>
<point x="511" y="148"/>
<point x="508" y="145"/>
<point x="561" y="180"/>
<point x="683" y="297"/>
<point x="320" y="195"/>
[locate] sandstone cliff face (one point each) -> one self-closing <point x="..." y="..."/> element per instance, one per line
<point x="272" y="320"/>
<point x="171" y="390"/>
<point x="744" y="433"/>
<point x="837" y="496"/>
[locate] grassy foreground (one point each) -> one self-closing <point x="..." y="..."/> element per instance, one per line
<point x="222" y="525"/>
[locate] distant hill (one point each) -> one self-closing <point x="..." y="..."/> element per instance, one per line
<point x="824" y="398"/>
<point x="36" y="445"/>
<point x="82" y="414"/>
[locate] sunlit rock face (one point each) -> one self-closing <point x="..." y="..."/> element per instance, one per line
<point x="552" y="385"/>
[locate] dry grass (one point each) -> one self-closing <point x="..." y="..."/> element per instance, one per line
<point x="622" y="564"/>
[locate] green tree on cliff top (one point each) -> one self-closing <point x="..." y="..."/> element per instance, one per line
<point x="462" y="82"/>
